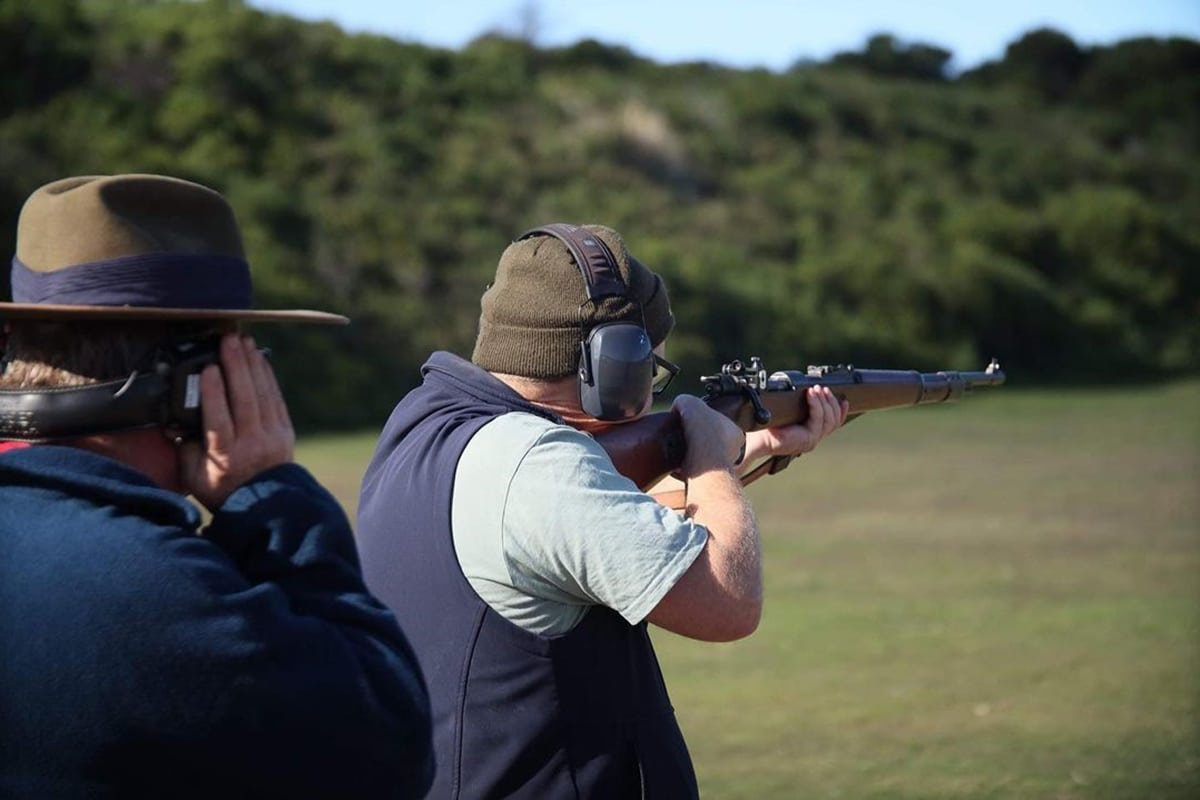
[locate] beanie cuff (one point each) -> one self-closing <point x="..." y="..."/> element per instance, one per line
<point x="527" y="352"/>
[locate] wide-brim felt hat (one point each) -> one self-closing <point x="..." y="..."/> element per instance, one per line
<point x="134" y="247"/>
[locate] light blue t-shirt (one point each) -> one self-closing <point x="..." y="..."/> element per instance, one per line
<point x="545" y="527"/>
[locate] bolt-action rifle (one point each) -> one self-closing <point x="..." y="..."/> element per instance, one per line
<point x="648" y="449"/>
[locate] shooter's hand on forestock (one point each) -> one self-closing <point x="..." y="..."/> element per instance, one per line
<point x="825" y="415"/>
<point x="246" y="426"/>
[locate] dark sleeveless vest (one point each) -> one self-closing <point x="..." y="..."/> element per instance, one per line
<point x="581" y="715"/>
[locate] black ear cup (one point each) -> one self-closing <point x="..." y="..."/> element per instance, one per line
<point x="618" y="361"/>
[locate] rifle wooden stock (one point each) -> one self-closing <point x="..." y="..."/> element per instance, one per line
<point x="648" y="449"/>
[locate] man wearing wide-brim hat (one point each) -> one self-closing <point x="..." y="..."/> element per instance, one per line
<point x="141" y="654"/>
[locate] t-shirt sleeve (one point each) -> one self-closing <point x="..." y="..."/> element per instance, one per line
<point x="574" y="526"/>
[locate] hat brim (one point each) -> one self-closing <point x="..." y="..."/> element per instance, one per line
<point x="65" y="312"/>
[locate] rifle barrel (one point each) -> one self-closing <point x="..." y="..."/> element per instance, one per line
<point x="875" y="389"/>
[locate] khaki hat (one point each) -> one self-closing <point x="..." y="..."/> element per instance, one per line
<point x="134" y="247"/>
<point x="536" y="313"/>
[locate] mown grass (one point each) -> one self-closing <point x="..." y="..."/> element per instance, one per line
<point x="994" y="599"/>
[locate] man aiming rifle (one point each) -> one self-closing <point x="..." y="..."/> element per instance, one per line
<point x="525" y="567"/>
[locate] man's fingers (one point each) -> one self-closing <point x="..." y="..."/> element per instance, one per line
<point x="276" y="422"/>
<point x="265" y="389"/>
<point x="239" y="383"/>
<point x="816" y="409"/>
<point x="825" y="414"/>
<point x="214" y="409"/>
<point x="279" y="411"/>
<point x="833" y="413"/>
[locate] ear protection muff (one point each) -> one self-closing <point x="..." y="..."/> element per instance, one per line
<point x="167" y="394"/>
<point x="616" y="362"/>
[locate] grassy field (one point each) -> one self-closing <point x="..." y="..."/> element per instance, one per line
<point x="994" y="599"/>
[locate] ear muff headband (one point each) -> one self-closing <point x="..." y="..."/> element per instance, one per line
<point x="592" y="256"/>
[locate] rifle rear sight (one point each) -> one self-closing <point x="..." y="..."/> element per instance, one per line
<point x="737" y="376"/>
<point x="746" y="380"/>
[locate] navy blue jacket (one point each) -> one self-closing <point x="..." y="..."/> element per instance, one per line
<point x="516" y="715"/>
<point x="139" y="659"/>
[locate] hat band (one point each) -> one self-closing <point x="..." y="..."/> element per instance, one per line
<point x="163" y="280"/>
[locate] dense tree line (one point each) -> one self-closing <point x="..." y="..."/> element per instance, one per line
<point x="872" y="209"/>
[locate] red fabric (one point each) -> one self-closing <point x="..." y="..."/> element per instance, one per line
<point x="5" y="446"/>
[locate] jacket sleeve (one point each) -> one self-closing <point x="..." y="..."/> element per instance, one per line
<point x="328" y="698"/>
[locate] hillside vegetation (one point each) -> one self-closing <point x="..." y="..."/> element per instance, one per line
<point x="871" y="209"/>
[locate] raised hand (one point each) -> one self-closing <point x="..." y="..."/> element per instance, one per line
<point x="245" y="424"/>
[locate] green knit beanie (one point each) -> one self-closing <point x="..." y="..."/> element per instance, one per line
<point x="536" y="312"/>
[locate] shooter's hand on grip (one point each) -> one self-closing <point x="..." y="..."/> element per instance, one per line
<point x="713" y="440"/>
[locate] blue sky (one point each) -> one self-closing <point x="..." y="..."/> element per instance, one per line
<point x="747" y="33"/>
